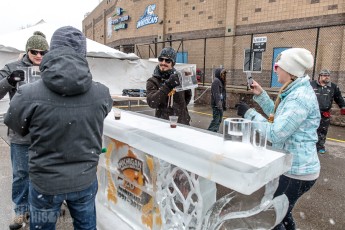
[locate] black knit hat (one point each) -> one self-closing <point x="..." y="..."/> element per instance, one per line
<point x="70" y="37"/>
<point x="37" y="42"/>
<point x="168" y="52"/>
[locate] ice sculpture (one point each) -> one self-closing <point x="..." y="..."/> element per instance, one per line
<point x="155" y="177"/>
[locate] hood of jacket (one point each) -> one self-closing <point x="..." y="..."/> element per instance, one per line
<point x="217" y="74"/>
<point x="66" y="72"/>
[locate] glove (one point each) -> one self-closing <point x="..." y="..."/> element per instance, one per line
<point x="15" y="77"/>
<point x="342" y="111"/>
<point x="242" y="108"/>
<point x="326" y="114"/>
<point x="173" y="81"/>
<point x="220" y="106"/>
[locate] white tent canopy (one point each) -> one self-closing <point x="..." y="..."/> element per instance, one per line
<point x="15" y="42"/>
<point x="113" y="68"/>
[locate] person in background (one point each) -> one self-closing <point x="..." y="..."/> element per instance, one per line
<point x="63" y="112"/>
<point x="11" y="75"/>
<point x="326" y="92"/>
<point x="218" y="98"/>
<point x="160" y="93"/>
<point x="293" y="121"/>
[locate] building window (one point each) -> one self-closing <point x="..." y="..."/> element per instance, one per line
<point x="252" y="61"/>
<point x="178" y="22"/>
<point x="332" y="7"/>
<point x="193" y="8"/>
<point x="185" y="15"/>
<point x="270" y="1"/>
<point x="128" y="49"/>
<point x="314" y="1"/>
<point x="201" y="12"/>
<point x="257" y="10"/>
<point x="245" y="19"/>
<point x="210" y="17"/>
<point x="220" y="22"/>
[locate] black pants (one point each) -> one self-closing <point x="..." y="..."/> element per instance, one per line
<point x="217" y="119"/>
<point x="322" y="132"/>
<point x="293" y="189"/>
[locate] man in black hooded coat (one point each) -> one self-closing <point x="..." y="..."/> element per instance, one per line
<point x="63" y="112"/>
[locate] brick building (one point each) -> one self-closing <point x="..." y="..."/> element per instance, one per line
<point x="218" y="32"/>
<point x="226" y="33"/>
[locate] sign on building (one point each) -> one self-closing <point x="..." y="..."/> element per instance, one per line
<point x="259" y="44"/>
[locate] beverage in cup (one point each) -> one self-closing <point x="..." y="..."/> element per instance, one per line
<point x="117" y="113"/>
<point x="173" y="121"/>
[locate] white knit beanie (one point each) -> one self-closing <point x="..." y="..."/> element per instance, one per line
<point x="295" y="61"/>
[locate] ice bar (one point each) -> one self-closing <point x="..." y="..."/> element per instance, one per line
<point x="156" y="177"/>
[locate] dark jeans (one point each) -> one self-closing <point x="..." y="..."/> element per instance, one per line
<point x="322" y="132"/>
<point x="20" y="173"/>
<point x="293" y="189"/>
<point x="45" y="209"/>
<point x="217" y="119"/>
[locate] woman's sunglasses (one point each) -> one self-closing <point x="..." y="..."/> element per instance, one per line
<point x="167" y="60"/>
<point x="35" y="52"/>
<point x="275" y="67"/>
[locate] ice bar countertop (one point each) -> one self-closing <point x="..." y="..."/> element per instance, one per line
<point x="236" y="166"/>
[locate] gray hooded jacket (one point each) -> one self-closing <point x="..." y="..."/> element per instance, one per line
<point x="64" y="114"/>
<point x="218" y="90"/>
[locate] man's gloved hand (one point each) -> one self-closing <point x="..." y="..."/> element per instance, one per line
<point x="242" y="108"/>
<point x="342" y="111"/>
<point x="173" y="81"/>
<point x="220" y="105"/>
<point x="15" y="77"/>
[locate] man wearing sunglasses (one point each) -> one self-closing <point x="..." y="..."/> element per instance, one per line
<point x="11" y="74"/>
<point x="160" y="93"/>
<point x="326" y="92"/>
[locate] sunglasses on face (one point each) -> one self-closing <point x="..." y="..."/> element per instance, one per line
<point x="167" y="60"/>
<point x="35" y="52"/>
<point x="275" y="67"/>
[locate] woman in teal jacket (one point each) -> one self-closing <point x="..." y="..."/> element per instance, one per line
<point x="291" y="125"/>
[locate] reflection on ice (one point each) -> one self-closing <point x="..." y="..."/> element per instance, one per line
<point x="237" y="211"/>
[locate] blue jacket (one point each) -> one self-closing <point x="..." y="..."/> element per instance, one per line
<point x="295" y="123"/>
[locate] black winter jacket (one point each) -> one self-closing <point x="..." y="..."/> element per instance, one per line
<point x="64" y="114"/>
<point x="157" y="98"/>
<point x="326" y="94"/>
